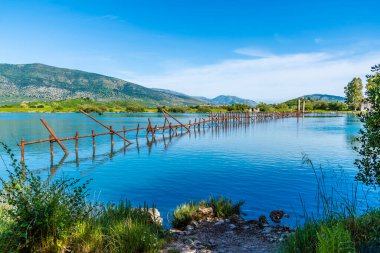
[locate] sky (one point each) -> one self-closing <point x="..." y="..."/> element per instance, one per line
<point x="262" y="50"/>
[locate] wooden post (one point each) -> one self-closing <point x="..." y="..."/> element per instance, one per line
<point x="97" y="121"/>
<point x="22" y="151"/>
<point x="76" y="141"/>
<point x="93" y="139"/>
<point x="124" y="136"/>
<point x="51" y="150"/>
<point x="111" y="134"/>
<point x="137" y="132"/>
<point x="55" y="136"/>
<point x="299" y="106"/>
<point x="303" y="106"/>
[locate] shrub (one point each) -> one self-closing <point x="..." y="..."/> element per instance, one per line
<point x="39" y="216"/>
<point x="222" y="208"/>
<point x="183" y="215"/>
<point x="42" y="213"/>
<point x="334" y="239"/>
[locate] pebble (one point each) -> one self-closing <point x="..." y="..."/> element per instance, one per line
<point x="232" y="226"/>
<point x="188" y="227"/>
<point x="219" y="223"/>
<point x="267" y="230"/>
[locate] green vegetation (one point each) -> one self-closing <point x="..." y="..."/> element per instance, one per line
<point x="354" y="93"/>
<point x="369" y="139"/>
<point x="310" y="106"/>
<point x="339" y="228"/>
<point x="221" y="208"/>
<point x="40" y="216"/>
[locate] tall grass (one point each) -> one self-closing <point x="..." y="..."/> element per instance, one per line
<point x="337" y="227"/>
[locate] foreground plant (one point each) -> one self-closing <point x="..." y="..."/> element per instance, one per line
<point x="41" y="216"/>
<point x="215" y="208"/>
<point x="41" y="213"/>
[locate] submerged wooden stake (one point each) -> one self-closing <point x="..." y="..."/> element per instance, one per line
<point x="55" y="136"/>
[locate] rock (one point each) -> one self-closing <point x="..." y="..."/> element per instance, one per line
<point x="236" y="219"/>
<point x="267" y="230"/>
<point x="232" y="226"/>
<point x="154" y="214"/>
<point x="276" y="215"/>
<point x="212" y="242"/>
<point x="197" y="242"/>
<point x="195" y="224"/>
<point x="204" y="213"/>
<point x="221" y="222"/>
<point x="245" y="227"/>
<point x="227" y="220"/>
<point x="189" y="227"/>
<point x="263" y="221"/>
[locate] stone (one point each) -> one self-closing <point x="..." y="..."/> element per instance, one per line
<point x="195" y="224"/>
<point x="189" y="227"/>
<point x="267" y="230"/>
<point x="232" y="226"/>
<point x="276" y="215"/>
<point x="221" y="222"/>
<point x="263" y="221"/>
<point x="236" y="219"/>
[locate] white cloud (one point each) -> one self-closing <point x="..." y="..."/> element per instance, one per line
<point x="273" y="78"/>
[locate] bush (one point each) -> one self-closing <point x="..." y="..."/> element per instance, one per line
<point x="42" y="213"/>
<point x="184" y="214"/>
<point x="224" y="208"/>
<point x="39" y="216"/>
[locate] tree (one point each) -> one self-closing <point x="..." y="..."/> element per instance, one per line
<point x="354" y="93"/>
<point x="369" y="148"/>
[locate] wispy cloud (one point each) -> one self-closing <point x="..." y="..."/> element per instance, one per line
<point x="270" y="78"/>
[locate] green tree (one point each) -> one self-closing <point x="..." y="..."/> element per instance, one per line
<point x="369" y="148"/>
<point x="354" y="93"/>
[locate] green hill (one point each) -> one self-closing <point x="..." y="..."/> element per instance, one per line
<point x="324" y="97"/>
<point x="32" y="82"/>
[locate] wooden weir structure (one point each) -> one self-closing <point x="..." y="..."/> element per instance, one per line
<point x="216" y="120"/>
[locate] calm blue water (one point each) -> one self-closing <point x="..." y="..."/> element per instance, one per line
<point x="261" y="163"/>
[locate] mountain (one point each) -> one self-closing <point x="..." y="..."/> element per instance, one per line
<point x="30" y="82"/>
<point x="324" y="97"/>
<point x="219" y="100"/>
<point x="230" y="100"/>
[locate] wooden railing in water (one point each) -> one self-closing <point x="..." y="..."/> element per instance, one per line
<point x="214" y="120"/>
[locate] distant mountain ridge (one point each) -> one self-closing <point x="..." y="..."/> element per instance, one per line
<point x="219" y="100"/>
<point x="20" y="82"/>
<point x="324" y="97"/>
<point x="31" y="82"/>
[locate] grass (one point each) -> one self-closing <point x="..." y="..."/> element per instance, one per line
<point x="338" y="229"/>
<point x="221" y="208"/>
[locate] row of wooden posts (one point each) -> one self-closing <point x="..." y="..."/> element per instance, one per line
<point x="214" y="120"/>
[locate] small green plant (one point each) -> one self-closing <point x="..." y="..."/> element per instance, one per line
<point x="334" y="239"/>
<point x="222" y="208"/>
<point x="184" y="214"/>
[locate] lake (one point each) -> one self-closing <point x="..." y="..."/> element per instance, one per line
<point x="262" y="164"/>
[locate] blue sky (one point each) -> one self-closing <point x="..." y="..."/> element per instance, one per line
<point x="262" y="50"/>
